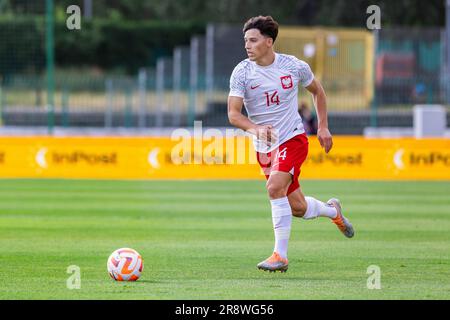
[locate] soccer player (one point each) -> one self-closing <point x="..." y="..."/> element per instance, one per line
<point x="267" y="85"/>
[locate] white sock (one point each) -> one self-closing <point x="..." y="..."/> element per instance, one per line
<point x="317" y="208"/>
<point x="282" y="219"/>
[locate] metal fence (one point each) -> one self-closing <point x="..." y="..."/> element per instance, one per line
<point x="371" y="79"/>
<point x="410" y="67"/>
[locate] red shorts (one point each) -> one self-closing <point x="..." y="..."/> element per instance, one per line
<point x="289" y="157"/>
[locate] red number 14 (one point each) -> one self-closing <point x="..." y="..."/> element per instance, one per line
<point x="273" y="98"/>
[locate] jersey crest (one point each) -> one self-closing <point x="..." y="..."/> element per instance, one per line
<point x="286" y="82"/>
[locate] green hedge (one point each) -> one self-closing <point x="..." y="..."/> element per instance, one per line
<point x="108" y="44"/>
<point x="118" y="44"/>
<point x="22" y="45"/>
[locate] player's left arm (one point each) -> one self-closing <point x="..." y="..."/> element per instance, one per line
<point x="320" y="103"/>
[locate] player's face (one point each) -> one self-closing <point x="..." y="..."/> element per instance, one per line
<point x="256" y="45"/>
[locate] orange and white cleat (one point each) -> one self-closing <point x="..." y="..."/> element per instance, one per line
<point x="274" y="263"/>
<point x="340" y="221"/>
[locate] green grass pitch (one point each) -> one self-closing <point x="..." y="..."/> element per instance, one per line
<point x="203" y="239"/>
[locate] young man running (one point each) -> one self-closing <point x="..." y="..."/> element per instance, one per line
<point x="267" y="85"/>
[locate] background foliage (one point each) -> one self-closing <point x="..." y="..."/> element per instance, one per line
<point x="127" y="34"/>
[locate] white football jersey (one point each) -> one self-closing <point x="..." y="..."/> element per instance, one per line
<point x="270" y="95"/>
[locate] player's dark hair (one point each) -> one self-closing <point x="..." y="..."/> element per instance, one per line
<point x="265" y="24"/>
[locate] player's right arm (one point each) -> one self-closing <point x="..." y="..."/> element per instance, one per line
<point x="240" y="121"/>
<point x="236" y="117"/>
<point x="236" y="101"/>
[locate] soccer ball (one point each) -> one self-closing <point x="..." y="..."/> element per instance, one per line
<point x="125" y="264"/>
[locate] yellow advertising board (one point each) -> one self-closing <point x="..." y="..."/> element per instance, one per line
<point x="363" y="158"/>
<point x="216" y="158"/>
